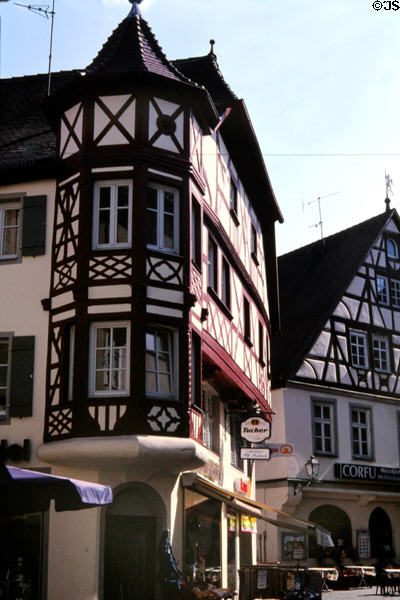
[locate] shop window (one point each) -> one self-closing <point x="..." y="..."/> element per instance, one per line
<point x="112" y="214"/>
<point x="323" y="427"/>
<point x="202" y="539"/>
<point x="293" y="546"/>
<point x="361" y="432"/>
<point x="109" y="359"/>
<point x="211" y="421"/>
<point x="162" y="218"/>
<point x="161" y="363"/>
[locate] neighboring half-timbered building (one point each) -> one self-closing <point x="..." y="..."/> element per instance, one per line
<point x="152" y="309"/>
<point x="336" y="369"/>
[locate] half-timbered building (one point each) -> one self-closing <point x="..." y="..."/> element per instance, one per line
<point x="138" y="276"/>
<point x="336" y="391"/>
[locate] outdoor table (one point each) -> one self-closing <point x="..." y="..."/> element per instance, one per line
<point x="393" y="574"/>
<point x="330" y="573"/>
<point x="360" y="571"/>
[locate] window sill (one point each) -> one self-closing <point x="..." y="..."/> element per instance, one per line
<point x="366" y="458"/>
<point x="219" y="303"/>
<point x="234" y="216"/>
<point x="255" y="259"/>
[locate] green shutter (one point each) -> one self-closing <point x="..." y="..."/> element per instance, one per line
<point x="21" y="385"/>
<point x="34" y="226"/>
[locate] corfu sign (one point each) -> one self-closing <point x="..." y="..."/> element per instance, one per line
<point x="367" y="472"/>
<point x="255" y="429"/>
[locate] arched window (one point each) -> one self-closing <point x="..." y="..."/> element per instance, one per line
<point x="392" y="249"/>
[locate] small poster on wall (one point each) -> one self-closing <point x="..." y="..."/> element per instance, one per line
<point x="363" y="543"/>
<point x="293" y="546"/>
<point x="262" y="579"/>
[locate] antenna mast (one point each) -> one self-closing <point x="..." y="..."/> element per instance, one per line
<point x="43" y="11"/>
<point x="319" y="224"/>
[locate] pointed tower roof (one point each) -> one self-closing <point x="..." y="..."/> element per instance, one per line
<point x="133" y="48"/>
<point x="312" y="280"/>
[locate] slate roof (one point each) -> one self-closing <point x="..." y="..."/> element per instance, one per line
<point x="205" y="71"/>
<point x="312" y="280"/>
<point x="26" y="136"/>
<point x="133" y="48"/>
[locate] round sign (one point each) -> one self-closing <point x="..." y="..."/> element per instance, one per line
<point x="255" y="429"/>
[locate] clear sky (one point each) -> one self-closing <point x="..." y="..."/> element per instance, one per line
<point x="320" y="79"/>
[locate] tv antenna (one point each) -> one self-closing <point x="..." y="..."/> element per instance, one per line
<point x="319" y="224"/>
<point x="43" y="10"/>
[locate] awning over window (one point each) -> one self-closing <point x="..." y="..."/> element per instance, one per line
<point x="199" y="484"/>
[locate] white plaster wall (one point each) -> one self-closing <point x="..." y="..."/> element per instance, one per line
<point x="22" y="287"/>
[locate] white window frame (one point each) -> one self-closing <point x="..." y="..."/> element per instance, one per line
<point x="92" y="358"/>
<point x="361" y="427"/>
<point x="353" y="335"/>
<point x="173" y="351"/>
<point x="4" y="415"/>
<point x="160" y="218"/>
<point x="395" y="292"/>
<point x="113" y="185"/>
<point x="382" y="293"/>
<point x="4" y="207"/>
<point x="380" y="344"/>
<point x="324" y="422"/>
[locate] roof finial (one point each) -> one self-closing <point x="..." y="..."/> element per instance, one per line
<point x="135" y="12"/>
<point x="212" y="42"/>
<point x="389" y="183"/>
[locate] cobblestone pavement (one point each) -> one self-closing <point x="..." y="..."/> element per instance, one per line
<point x="354" y="594"/>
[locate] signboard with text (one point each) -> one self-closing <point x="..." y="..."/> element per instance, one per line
<point x="254" y="453"/>
<point x="367" y="473"/>
<point x="255" y="429"/>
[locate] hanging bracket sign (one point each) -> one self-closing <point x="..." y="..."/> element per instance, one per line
<point x="255" y="429"/>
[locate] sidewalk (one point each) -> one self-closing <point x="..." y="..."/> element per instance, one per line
<point x="353" y="594"/>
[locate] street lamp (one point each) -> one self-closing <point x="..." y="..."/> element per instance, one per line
<point x="312" y="469"/>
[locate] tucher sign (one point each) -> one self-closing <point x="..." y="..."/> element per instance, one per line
<point x="255" y="429"/>
<point x="367" y="473"/>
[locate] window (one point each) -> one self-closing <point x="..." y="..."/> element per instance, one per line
<point x="236" y="441"/>
<point x="380" y="353"/>
<point x="261" y="357"/>
<point x="211" y="407"/>
<point x="226" y="284"/>
<point x="392" y="249"/>
<point x="109" y="359"/>
<point x="4" y="375"/>
<point x="323" y="427"/>
<point x="9" y="229"/>
<point x="161" y="363"/>
<point x="212" y="264"/>
<point x="358" y="349"/>
<point x="162" y="218"/>
<point x="196" y="370"/>
<point x="395" y="292"/>
<point x="382" y="291"/>
<point x="196" y="233"/>
<point x="233" y="197"/>
<point x="361" y="432"/>
<point x="246" y="320"/>
<point x="253" y="241"/>
<point x="112" y="214"/>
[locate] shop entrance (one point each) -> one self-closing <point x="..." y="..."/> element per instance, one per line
<point x="132" y="531"/>
<point x="21" y="552"/>
<point x="336" y="521"/>
<point x="130" y="547"/>
<point x="381" y="535"/>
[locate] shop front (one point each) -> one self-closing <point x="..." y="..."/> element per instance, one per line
<point x="219" y="534"/>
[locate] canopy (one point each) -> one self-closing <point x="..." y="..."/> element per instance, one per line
<point x="23" y="491"/>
